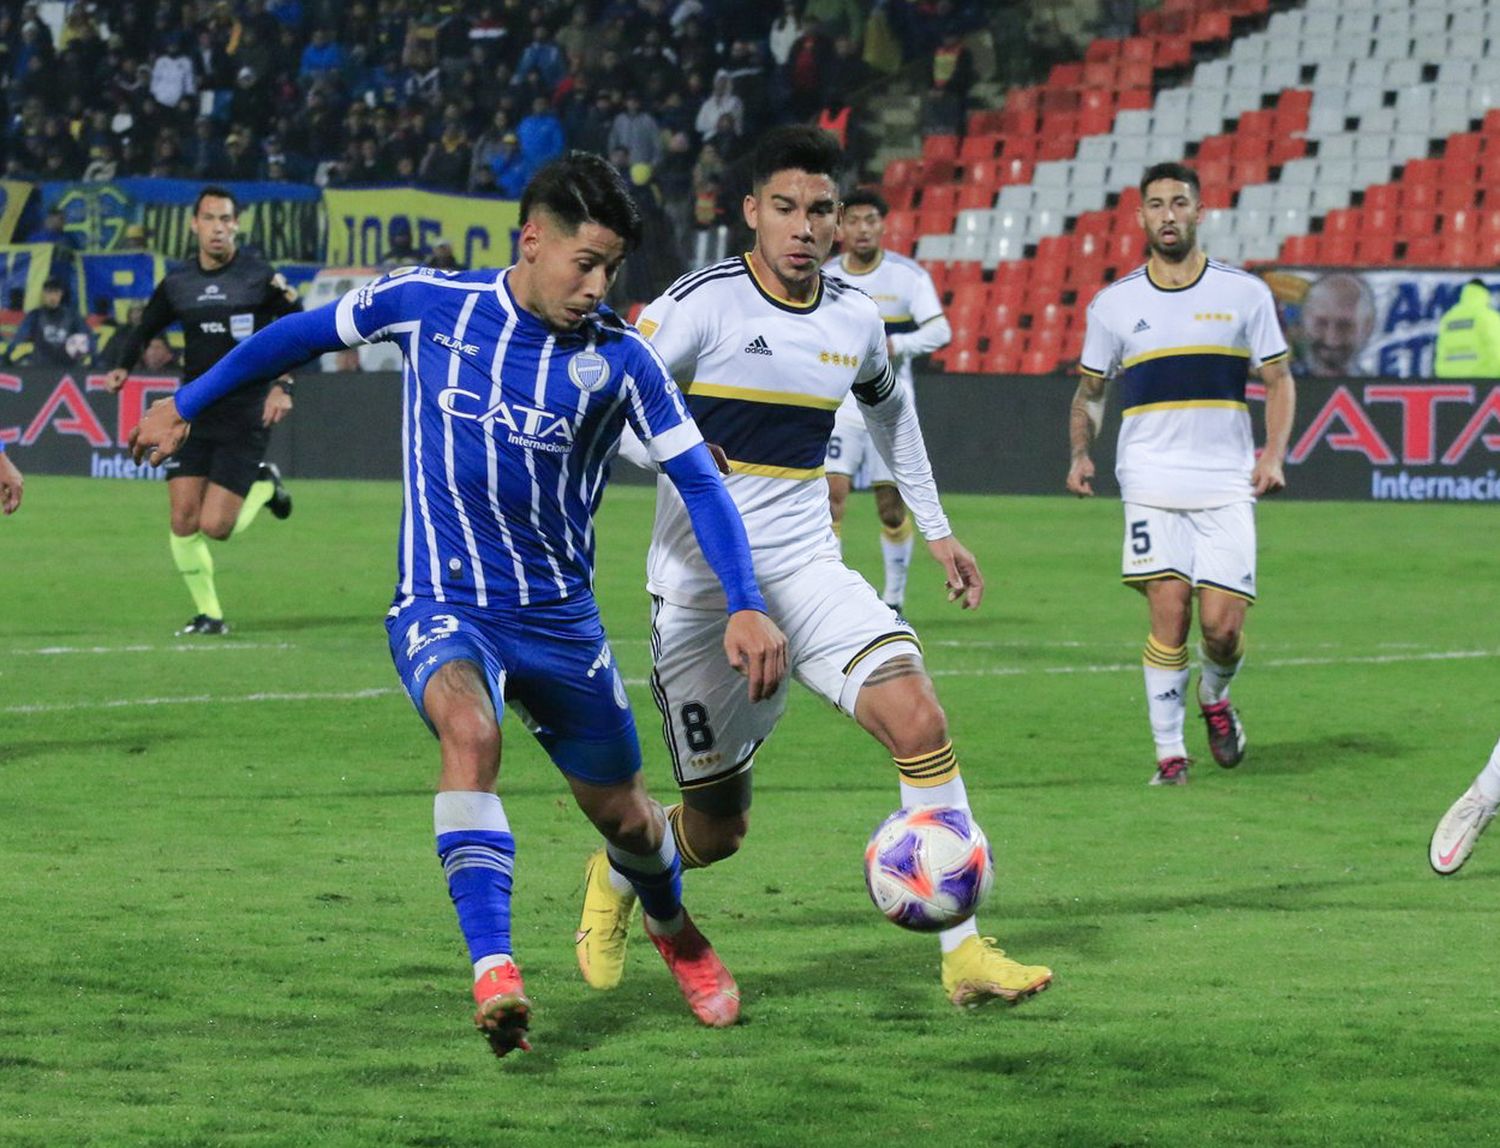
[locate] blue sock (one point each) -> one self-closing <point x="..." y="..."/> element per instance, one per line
<point x="477" y="851"/>
<point x="655" y="877"/>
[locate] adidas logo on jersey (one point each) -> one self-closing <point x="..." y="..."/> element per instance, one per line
<point x="1141" y="326"/>
<point x="757" y="346"/>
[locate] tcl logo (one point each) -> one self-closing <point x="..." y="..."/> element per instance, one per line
<point x="212" y="328"/>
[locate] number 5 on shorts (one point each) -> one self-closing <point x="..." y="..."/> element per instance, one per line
<point x="1140" y="540"/>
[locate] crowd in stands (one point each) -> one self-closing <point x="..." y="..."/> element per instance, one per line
<point x="458" y="97"/>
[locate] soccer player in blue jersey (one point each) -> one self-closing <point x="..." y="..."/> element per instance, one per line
<point x="516" y="388"/>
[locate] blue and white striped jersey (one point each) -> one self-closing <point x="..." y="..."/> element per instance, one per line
<point x="508" y="428"/>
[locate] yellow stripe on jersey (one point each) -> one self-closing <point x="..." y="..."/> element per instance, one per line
<point x="1185" y="404"/>
<point x="760" y="470"/>
<point x="1090" y="372"/>
<point x="1168" y="352"/>
<point x="782" y="300"/>
<point x="753" y="395"/>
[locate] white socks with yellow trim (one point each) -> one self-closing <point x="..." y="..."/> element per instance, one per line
<point x="896" y="545"/>
<point x="1214" y="678"/>
<point x="933" y="779"/>
<point x="1166" y="669"/>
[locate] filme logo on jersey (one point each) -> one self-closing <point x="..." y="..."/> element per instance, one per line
<point x="758" y="346"/>
<point x="455" y="344"/>
<point x="531" y="427"/>
<point x="589" y="371"/>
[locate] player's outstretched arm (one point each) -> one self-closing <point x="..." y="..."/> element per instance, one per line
<point x="1085" y="417"/>
<point x="961" y="570"/>
<point x="271" y="351"/>
<point x="1281" y="408"/>
<point x="753" y="643"/>
<point x="11" y="484"/>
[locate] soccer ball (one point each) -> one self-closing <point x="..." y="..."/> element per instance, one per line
<point x="928" y="867"/>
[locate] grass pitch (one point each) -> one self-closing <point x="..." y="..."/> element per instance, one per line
<point x="224" y="923"/>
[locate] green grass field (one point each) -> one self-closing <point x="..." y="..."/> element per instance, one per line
<point x="224" y="923"/>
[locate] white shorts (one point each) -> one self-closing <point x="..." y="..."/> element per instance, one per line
<point x="838" y="632"/>
<point x="852" y="453"/>
<point x="1213" y="548"/>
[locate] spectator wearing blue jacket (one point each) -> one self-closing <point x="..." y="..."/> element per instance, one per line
<point x="540" y="134"/>
<point x="323" y="54"/>
<point x="544" y="56"/>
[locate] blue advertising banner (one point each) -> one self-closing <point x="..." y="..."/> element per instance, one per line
<point x="122" y="278"/>
<point x="282" y="220"/>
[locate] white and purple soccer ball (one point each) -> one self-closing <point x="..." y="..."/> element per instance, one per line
<point x="928" y="867"/>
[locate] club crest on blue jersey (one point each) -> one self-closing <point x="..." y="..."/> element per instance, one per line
<point x="589" y="371"/>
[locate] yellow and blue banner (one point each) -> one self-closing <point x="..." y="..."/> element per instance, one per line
<point x="360" y="224"/>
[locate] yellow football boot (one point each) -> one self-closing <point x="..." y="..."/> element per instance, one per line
<point x="605" y="926"/>
<point x="978" y="971"/>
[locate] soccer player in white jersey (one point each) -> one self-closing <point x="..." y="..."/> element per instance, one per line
<point x="766" y="347"/>
<point x="914" y="325"/>
<point x="1456" y="834"/>
<point x="1179" y="337"/>
<point x="516" y="387"/>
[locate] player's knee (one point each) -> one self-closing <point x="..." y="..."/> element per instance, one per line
<point x="891" y="517"/>
<point x="217" y="529"/>
<point x="1221" y="637"/>
<point x="922" y="729"/>
<point x="184" y="524"/>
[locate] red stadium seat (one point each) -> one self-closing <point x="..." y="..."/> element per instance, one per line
<point x="1005" y="361"/>
<point x="1299" y="249"/>
<point x="1386" y="195"/>
<point x="985" y="173"/>
<point x="1060" y="144"/>
<point x="1173" y="52"/>
<point x="939" y="197"/>
<point x="1095" y="121"/>
<point x="1375" y="249"/>
<point x="985" y="146"/>
<point x="1412" y="224"/>
<point x="1337" y="249"/>
<point x="939" y="147"/>
<point x="938" y="171"/>
<point x="1102" y="50"/>
<point x="963" y="362"/>
<point x="1210" y="27"/>
<point x="1423" y="251"/>
<point x="1141" y="49"/>
<point x="902" y="172"/>
<point x="1038" y="363"/>
<point x="974" y="197"/>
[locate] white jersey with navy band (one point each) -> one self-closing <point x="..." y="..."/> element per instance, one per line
<point x="1180" y="359"/>
<point x="509" y="427"/>
<point x="763" y="377"/>
<point x="905" y="294"/>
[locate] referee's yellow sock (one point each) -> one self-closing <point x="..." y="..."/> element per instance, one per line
<point x="258" y="495"/>
<point x="195" y="563"/>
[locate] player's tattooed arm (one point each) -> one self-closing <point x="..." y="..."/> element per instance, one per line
<point x="1085" y="418"/>
<point x="1281" y="406"/>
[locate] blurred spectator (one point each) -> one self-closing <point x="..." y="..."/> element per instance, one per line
<point x="110" y="350"/>
<point x="205" y="154"/>
<point x="172" y="75"/>
<point x="726" y="140"/>
<point x="543" y="56"/>
<point x="747" y="71"/>
<point x="103" y="163"/>
<point x="212" y="63"/>
<point x="952" y="77"/>
<point x="576" y="38"/>
<point x="636" y="131"/>
<point x="321" y="56"/>
<point x="786" y="30"/>
<point x="401" y="252"/>
<point x="487" y="146"/>
<point x="446" y="164"/>
<point x="805" y="70"/>
<point x="158" y="358"/>
<point x="651" y="60"/>
<point x="366" y="164"/>
<point x="540" y="134"/>
<point x="134" y="238"/>
<point x="838" y="17"/>
<point x="54" y="230"/>
<point x="847" y="72"/>
<point x="723" y="102"/>
<point x="52" y="335"/>
<point x="595" y="125"/>
<point x="239" y="161"/>
<point x="442" y="256"/>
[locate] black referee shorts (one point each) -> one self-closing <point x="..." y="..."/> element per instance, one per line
<point x="228" y="454"/>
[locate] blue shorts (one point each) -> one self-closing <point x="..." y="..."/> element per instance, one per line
<point x="551" y="663"/>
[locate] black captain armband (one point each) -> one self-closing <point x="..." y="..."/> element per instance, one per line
<point x="876" y="390"/>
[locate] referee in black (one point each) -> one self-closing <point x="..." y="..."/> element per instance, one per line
<point x="218" y="482"/>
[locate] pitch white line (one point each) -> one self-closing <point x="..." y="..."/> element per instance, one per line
<point x="181" y="648"/>
<point x="200" y="700"/>
<point x="994" y="672"/>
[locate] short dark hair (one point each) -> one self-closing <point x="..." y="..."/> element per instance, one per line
<point x="1178" y="171"/>
<point x="867" y="197"/>
<point x="580" y="187"/>
<point x="1477" y="282"/>
<point x="52" y="283"/>
<point x="214" y="191"/>
<point x="795" y="147"/>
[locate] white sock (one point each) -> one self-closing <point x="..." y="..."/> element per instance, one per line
<point x="896" y="547"/>
<point x="951" y="792"/>
<point x="1166" y="670"/>
<point x="620" y="883"/>
<point x="1214" y="677"/>
<point x="1488" y="781"/>
<point x="493" y="961"/>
